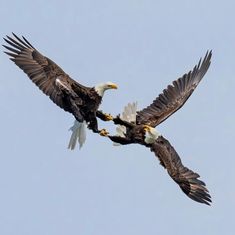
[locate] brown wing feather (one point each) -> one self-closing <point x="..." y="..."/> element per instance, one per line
<point x="41" y="70"/>
<point x="184" y="177"/>
<point x="174" y="96"/>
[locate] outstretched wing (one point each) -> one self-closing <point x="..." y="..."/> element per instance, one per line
<point x="129" y="112"/>
<point x="47" y="75"/>
<point x="174" y="96"/>
<point x="129" y="115"/>
<point x="184" y="177"/>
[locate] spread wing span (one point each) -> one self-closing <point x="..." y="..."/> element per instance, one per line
<point x="184" y="177"/>
<point x="174" y="96"/>
<point x="40" y="69"/>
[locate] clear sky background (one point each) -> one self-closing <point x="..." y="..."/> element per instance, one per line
<point x="142" y="46"/>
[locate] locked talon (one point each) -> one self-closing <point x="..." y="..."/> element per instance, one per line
<point x="103" y="132"/>
<point x="108" y="117"/>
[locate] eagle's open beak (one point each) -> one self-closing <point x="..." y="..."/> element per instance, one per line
<point x="113" y="86"/>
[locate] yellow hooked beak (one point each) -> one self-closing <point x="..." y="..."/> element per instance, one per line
<point x="113" y="86"/>
<point x="147" y="128"/>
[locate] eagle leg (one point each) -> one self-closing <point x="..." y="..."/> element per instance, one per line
<point x="120" y="140"/>
<point x="104" y="116"/>
<point x="93" y="125"/>
<point x="118" y="121"/>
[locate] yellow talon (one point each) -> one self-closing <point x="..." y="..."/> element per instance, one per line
<point x="108" y="117"/>
<point x="103" y="132"/>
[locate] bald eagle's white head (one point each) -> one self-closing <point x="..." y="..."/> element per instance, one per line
<point x="151" y="134"/>
<point x="102" y="87"/>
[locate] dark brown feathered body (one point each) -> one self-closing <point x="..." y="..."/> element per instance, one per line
<point x="172" y="99"/>
<point x="135" y="134"/>
<point x="81" y="101"/>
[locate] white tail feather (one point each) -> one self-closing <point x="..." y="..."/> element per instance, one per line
<point x="78" y="135"/>
<point x="129" y="115"/>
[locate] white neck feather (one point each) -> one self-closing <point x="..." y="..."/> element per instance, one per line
<point x="151" y="136"/>
<point x="100" y="89"/>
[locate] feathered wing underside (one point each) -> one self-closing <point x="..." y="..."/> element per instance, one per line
<point x="184" y="177"/>
<point x="47" y="75"/>
<point x="129" y="115"/>
<point x="78" y="135"/>
<point x="174" y="96"/>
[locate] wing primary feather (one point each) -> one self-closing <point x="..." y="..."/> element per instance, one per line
<point x="14" y="44"/>
<point x="186" y="179"/>
<point x="174" y="96"/>
<point x="21" y="41"/>
<point x="40" y="69"/>
<point x="9" y="53"/>
<point x="29" y="44"/>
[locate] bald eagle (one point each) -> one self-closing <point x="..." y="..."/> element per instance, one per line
<point x="79" y="100"/>
<point x="139" y="127"/>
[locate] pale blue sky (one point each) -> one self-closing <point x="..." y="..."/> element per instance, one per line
<point x="142" y="46"/>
